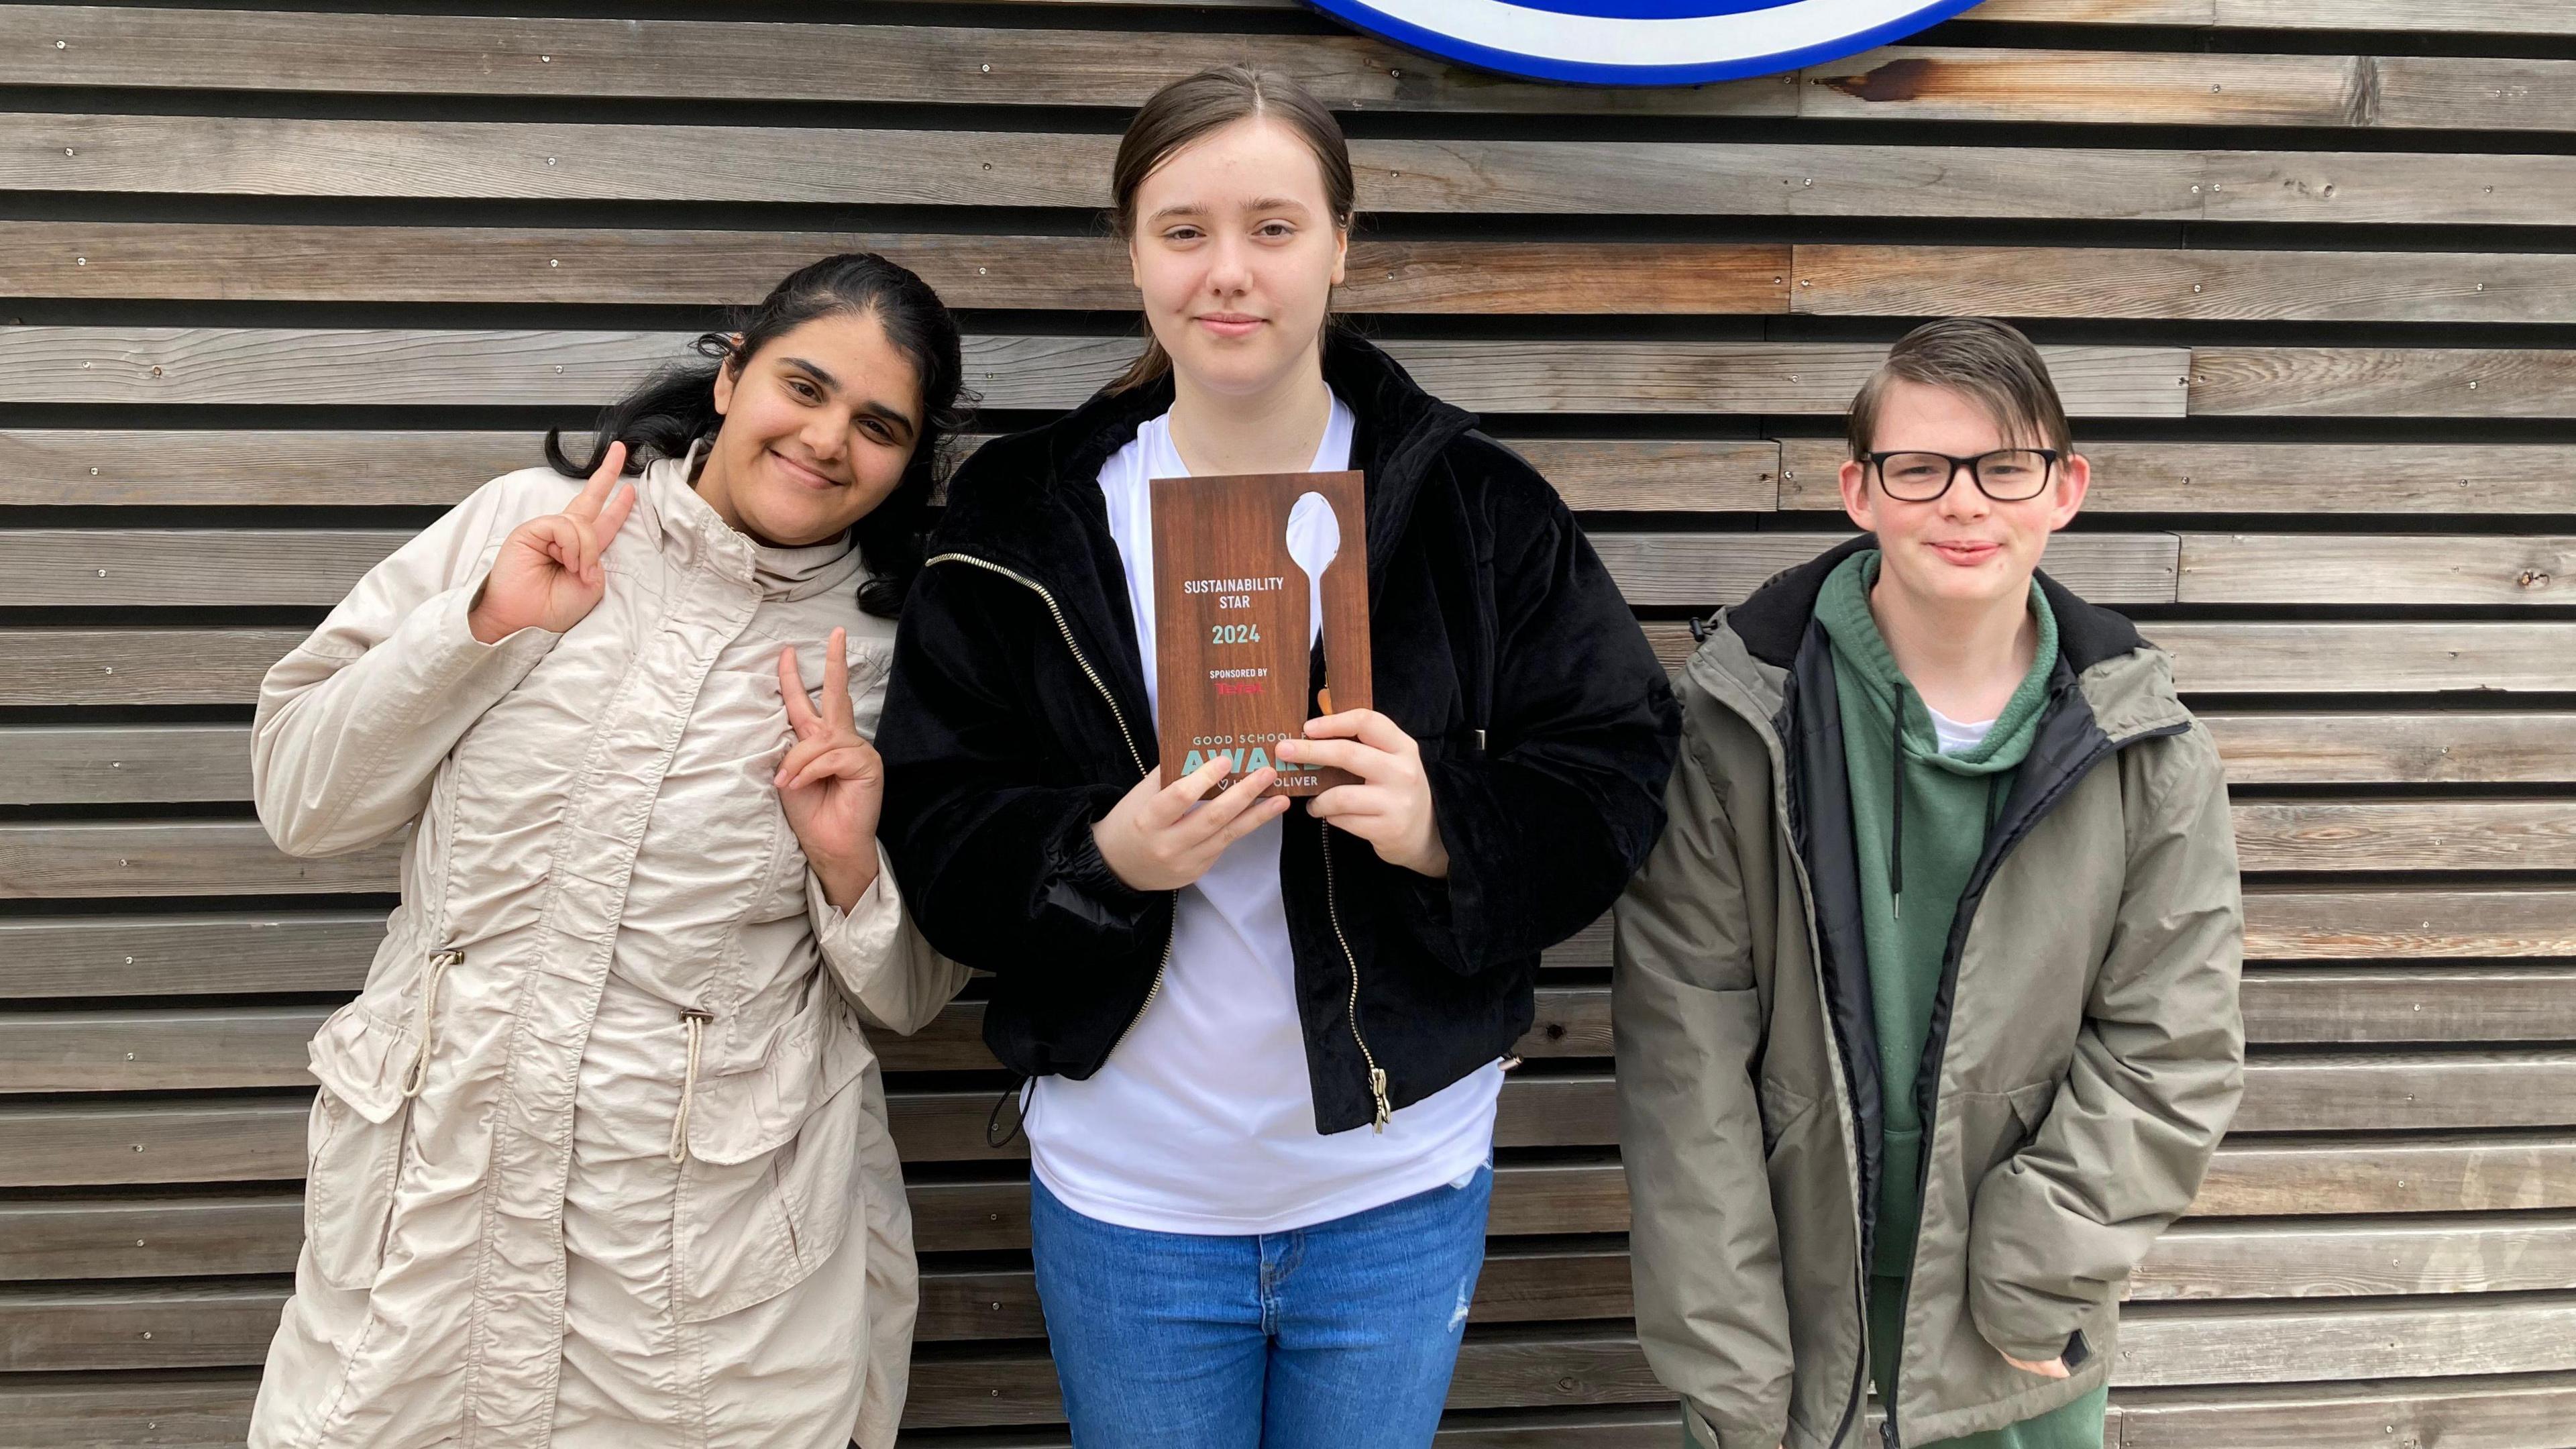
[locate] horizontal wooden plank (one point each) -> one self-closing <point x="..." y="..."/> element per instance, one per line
<point x="2310" y="835"/>
<point x="262" y="1138"/>
<point x="234" y="1047"/>
<point x="136" y="764"/>
<point x="2363" y="1258"/>
<point x="2246" y="568"/>
<point x="599" y="266"/>
<point x="170" y="568"/>
<point x="2520" y="1412"/>
<point x="2392" y="1006"/>
<point x="881" y="63"/>
<point x="206" y="1324"/>
<point x="2196" y="284"/>
<point x="2288" y="1177"/>
<point x="328" y="951"/>
<point x="223" y="666"/>
<point x="229" y="1322"/>
<point x="357" y="366"/>
<point x="927" y="64"/>
<point x="2388" y="382"/>
<point x="177" y="955"/>
<point x="2503" y="17"/>
<point x="178" y="857"/>
<point x="107" y="764"/>
<point x="138" y="666"/>
<point x="214" y="1323"/>
<point x="210" y="1409"/>
<point x="205" y="1410"/>
<point x="2347" y="925"/>
<point x="2235" y="658"/>
<point x="2241" y="658"/>
<point x="156" y="1048"/>
<point x="2458" y="747"/>
<point x="258" y="1231"/>
<point x="2097" y="87"/>
<point x="93" y="1326"/>
<point x="2248" y="1343"/>
<point x="261" y="468"/>
<point x="2289" y="478"/>
<point x="256" y="468"/>
<point x="235" y="857"/>
<point x="55" y="567"/>
<point x="2200" y="1259"/>
<point x="566" y="161"/>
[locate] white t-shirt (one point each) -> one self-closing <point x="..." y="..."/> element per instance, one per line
<point x="1202" y="1120"/>
<point x="1958" y="738"/>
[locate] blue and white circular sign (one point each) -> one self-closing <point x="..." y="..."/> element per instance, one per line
<point x="1643" y="42"/>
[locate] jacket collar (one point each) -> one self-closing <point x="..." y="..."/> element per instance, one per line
<point x="2127" y="681"/>
<point x="1016" y="498"/>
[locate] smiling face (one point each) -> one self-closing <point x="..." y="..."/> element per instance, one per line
<point x="1962" y="548"/>
<point x="1236" y="251"/>
<point x="819" y="425"/>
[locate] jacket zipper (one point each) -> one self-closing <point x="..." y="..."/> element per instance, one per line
<point x="1332" y="908"/>
<point x="1065" y="629"/>
<point x="1833" y="1048"/>
<point x="1949" y="972"/>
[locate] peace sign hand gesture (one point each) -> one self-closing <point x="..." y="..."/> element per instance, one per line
<point x="832" y="783"/>
<point x="548" y="574"/>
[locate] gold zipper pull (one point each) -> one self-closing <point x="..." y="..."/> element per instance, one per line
<point x="1377" y="1089"/>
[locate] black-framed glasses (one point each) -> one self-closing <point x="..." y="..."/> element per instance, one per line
<point x="2006" y="475"/>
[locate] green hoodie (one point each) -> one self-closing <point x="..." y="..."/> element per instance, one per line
<point x="1918" y="843"/>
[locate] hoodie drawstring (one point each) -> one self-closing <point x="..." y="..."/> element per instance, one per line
<point x="696" y="1023"/>
<point x="417" y="1075"/>
<point x="1896" y="830"/>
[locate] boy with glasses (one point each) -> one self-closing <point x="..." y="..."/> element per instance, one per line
<point x="1926" y="1001"/>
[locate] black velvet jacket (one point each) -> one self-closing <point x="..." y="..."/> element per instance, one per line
<point x="1017" y="717"/>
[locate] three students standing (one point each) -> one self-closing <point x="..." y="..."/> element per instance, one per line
<point x="601" y="1152"/>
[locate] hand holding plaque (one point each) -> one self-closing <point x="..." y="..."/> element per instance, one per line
<point x="1248" y="570"/>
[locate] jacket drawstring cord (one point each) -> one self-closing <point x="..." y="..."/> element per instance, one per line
<point x="418" y="1074"/>
<point x="696" y="1023"/>
<point x="1896" y="826"/>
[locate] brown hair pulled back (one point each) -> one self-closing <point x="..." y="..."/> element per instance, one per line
<point x="1190" y="108"/>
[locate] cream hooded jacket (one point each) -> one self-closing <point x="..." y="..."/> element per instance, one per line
<point x="600" y="1154"/>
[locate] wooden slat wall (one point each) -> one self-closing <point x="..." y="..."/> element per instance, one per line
<point x="280" y="286"/>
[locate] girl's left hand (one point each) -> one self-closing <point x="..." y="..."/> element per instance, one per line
<point x="832" y="782"/>
<point x="1390" y="807"/>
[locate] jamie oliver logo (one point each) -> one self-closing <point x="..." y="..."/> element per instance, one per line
<point x="1643" y="42"/>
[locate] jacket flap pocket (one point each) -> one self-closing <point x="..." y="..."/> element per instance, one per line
<point x="737" y="1116"/>
<point x="360" y="1058"/>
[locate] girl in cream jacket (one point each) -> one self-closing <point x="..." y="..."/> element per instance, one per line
<point x="600" y="1154"/>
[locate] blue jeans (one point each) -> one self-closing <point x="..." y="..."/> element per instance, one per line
<point x="1337" y="1336"/>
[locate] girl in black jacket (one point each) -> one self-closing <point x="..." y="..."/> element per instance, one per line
<point x="1216" y="998"/>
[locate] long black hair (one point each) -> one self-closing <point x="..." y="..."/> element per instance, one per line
<point x="671" y="412"/>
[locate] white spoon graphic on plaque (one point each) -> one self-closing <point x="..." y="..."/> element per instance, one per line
<point x="1314" y="541"/>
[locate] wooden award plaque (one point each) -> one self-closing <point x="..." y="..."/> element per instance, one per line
<point x="1233" y="603"/>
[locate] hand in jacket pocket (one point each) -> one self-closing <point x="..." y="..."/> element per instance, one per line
<point x="832" y="782"/>
<point x="548" y="574"/>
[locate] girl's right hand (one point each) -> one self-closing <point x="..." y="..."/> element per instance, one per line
<point x="548" y="574"/>
<point x="1163" y="837"/>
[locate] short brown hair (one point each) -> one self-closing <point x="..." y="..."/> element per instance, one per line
<point x="1979" y="358"/>
<point x="1193" y="106"/>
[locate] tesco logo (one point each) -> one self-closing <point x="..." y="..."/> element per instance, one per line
<point x="1643" y="42"/>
